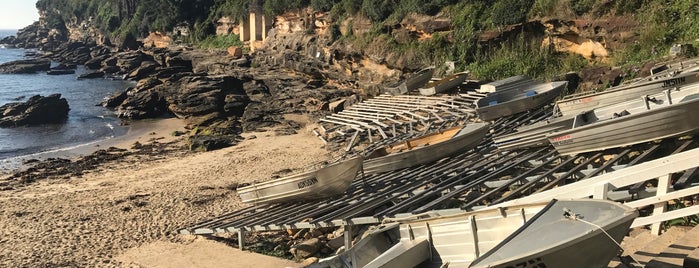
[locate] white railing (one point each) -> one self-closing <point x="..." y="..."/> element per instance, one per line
<point x="599" y="186"/>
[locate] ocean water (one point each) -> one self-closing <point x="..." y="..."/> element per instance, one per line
<point x="87" y="121"/>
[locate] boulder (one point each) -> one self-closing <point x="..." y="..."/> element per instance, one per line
<point x="115" y="100"/>
<point x="217" y="135"/>
<point x="235" y="52"/>
<point x="91" y="75"/>
<point x="306" y="249"/>
<point x="96" y="62"/>
<point x="35" y="111"/>
<point x="147" y="68"/>
<point x="129" y="61"/>
<point x="337" y="106"/>
<point x="141" y="105"/>
<point x="157" y="40"/>
<point x="25" y="66"/>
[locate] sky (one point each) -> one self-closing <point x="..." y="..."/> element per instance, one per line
<point x="17" y="14"/>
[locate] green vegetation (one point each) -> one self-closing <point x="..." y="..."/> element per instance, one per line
<point x="665" y="23"/>
<point x="221" y="41"/>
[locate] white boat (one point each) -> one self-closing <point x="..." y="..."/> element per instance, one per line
<point x="562" y="233"/>
<point x="444" y="84"/>
<point x="504" y="103"/>
<point x="331" y="180"/>
<point x="425" y="149"/>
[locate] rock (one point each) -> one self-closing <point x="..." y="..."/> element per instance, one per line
<point x="60" y="72"/>
<point x="115" y="100"/>
<point x="96" y="62"/>
<point x="25" y="66"/>
<point x="309" y="261"/>
<point x="145" y="69"/>
<point x="91" y="75"/>
<point x="306" y="249"/>
<point x="336" y="243"/>
<point x="157" y="40"/>
<point x="236" y="52"/>
<point x="129" y="61"/>
<point x="337" y="106"/>
<point x="217" y="135"/>
<point x="205" y="143"/>
<point x="37" y="110"/>
<point x="258" y="115"/>
<point x="141" y="105"/>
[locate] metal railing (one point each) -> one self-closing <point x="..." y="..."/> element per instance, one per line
<point x="661" y="169"/>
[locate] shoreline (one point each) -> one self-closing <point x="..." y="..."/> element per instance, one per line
<point x="127" y="212"/>
<point x="142" y="131"/>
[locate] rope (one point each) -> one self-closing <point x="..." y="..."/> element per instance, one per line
<point x="576" y="217"/>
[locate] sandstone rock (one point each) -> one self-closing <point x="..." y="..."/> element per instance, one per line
<point x="336" y="243"/>
<point x="91" y="75"/>
<point x="129" y="61"/>
<point x="145" y="69"/>
<point x="60" y="71"/>
<point x="25" y="66"/>
<point x="37" y="110"/>
<point x="141" y="105"/>
<point x="235" y="52"/>
<point x="306" y="249"/>
<point x="157" y="40"/>
<point x="337" y="106"/>
<point x="309" y="261"/>
<point x="115" y="100"/>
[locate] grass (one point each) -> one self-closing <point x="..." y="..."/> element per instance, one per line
<point x="221" y="41"/>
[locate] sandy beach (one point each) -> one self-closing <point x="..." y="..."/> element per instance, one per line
<point x="126" y="213"/>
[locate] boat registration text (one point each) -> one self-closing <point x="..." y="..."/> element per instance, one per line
<point x="307" y="183"/>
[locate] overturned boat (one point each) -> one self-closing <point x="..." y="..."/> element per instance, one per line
<point x="561" y="233"/>
<point x="672" y="113"/>
<point x="444" y="84"/>
<point x="411" y="83"/>
<point x="425" y="149"/>
<point x="328" y="181"/>
<point x="577" y="103"/>
<point x="504" y="103"/>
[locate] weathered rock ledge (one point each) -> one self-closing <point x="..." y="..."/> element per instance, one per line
<point x="35" y="111"/>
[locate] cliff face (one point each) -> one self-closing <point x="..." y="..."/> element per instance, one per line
<point x="352" y="50"/>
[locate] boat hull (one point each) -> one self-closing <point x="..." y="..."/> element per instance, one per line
<point x="534" y="135"/>
<point x="322" y="183"/>
<point x="467" y="138"/>
<point x="552" y="240"/>
<point x="412" y="83"/>
<point x="513" y="101"/>
<point x="664" y="122"/>
<point x="444" y="85"/>
<point x="538" y="235"/>
<point x="578" y="104"/>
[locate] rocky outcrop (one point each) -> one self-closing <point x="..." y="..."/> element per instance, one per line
<point x="25" y="66"/>
<point x="37" y="110"/>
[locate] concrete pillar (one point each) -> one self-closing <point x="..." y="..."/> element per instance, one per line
<point x="253" y="27"/>
<point x="244" y="30"/>
<point x="263" y="25"/>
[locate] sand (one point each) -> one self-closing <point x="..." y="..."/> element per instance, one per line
<point x="126" y="214"/>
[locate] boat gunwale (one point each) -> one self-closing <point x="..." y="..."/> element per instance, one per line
<point x="295" y="177"/>
<point x="520" y="97"/>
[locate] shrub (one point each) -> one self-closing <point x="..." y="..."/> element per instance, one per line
<point x="221" y="41"/>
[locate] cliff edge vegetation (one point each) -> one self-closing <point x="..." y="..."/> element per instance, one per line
<point x="492" y="39"/>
